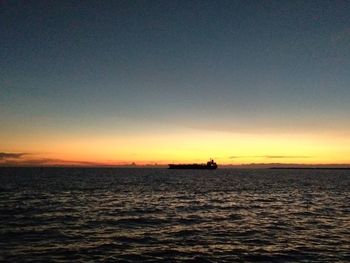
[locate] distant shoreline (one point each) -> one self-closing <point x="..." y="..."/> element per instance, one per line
<point x="309" y="168"/>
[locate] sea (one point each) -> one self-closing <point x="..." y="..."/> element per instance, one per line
<point x="161" y="215"/>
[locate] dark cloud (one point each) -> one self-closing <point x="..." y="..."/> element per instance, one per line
<point x="4" y="155"/>
<point x="18" y="159"/>
<point x="47" y="162"/>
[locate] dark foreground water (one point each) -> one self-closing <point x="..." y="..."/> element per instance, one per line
<point x="149" y="215"/>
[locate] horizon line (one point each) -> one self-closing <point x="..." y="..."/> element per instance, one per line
<point x="155" y="165"/>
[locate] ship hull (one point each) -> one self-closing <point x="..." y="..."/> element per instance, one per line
<point x="192" y="166"/>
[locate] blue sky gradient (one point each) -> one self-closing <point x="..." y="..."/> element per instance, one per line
<point x="138" y="66"/>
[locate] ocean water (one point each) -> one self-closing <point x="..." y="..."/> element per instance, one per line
<point x="160" y="215"/>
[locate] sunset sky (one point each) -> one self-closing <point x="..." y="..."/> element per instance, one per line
<point x="116" y="82"/>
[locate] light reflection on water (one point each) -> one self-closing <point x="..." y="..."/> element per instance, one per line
<point x="69" y="214"/>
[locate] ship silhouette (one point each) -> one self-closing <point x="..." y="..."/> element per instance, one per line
<point x="210" y="165"/>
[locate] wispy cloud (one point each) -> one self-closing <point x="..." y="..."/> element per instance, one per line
<point x="4" y="155"/>
<point x="30" y="159"/>
<point x="285" y="156"/>
<point x="341" y="35"/>
<point x="47" y="162"/>
<point x="322" y="127"/>
<point x="270" y="156"/>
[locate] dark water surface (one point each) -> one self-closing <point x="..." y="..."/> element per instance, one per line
<point x="149" y="215"/>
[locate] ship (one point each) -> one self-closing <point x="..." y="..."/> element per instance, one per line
<point x="210" y="165"/>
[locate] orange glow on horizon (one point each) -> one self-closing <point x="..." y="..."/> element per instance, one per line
<point x="183" y="146"/>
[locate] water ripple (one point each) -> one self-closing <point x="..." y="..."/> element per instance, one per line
<point x="153" y="215"/>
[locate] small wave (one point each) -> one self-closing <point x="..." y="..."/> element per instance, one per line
<point x="142" y="221"/>
<point x="154" y="215"/>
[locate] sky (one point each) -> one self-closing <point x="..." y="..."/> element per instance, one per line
<point x="116" y="82"/>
